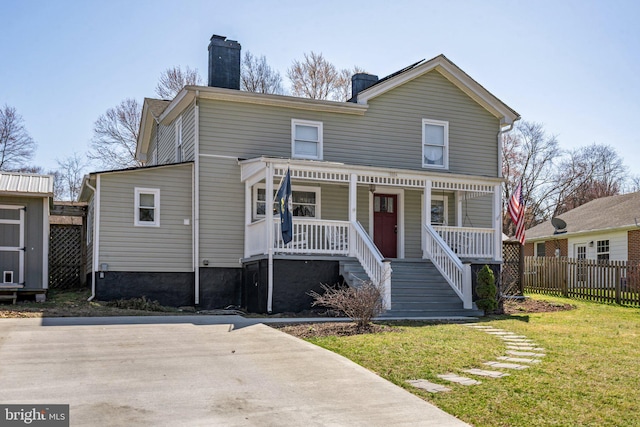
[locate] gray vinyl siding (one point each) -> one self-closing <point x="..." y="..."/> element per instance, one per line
<point x="476" y="212"/>
<point x="222" y="212"/>
<point x="34" y="241"/>
<point x="166" y="141"/>
<point x="125" y="247"/>
<point x="89" y="241"/>
<point x="413" y="224"/>
<point x="334" y="201"/>
<point x="388" y="135"/>
<point x="188" y="133"/>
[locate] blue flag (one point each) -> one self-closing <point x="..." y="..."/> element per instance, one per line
<point x="284" y="201"/>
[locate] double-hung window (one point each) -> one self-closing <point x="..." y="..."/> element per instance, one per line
<point x="179" y="153"/>
<point x="306" y="139"/>
<point x="603" y="250"/>
<point x="435" y="144"/>
<point x="147" y="207"/>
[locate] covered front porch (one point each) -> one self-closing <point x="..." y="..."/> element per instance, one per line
<point x="375" y="215"/>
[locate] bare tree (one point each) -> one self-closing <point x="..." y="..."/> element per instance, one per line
<point x="314" y="78"/>
<point x="529" y="156"/>
<point x="115" y="135"/>
<point x="172" y="80"/>
<point x="69" y="177"/>
<point x="258" y="76"/>
<point x="17" y="147"/>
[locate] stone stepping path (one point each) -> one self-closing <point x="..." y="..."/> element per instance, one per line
<point x="458" y="379"/>
<point x="521" y="354"/>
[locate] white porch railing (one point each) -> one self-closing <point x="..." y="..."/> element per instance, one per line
<point x="457" y="274"/>
<point x="467" y="242"/>
<point x="376" y="267"/>
<point x="314" y="236"/>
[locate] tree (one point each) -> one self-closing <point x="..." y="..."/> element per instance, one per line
<point x="258" y="76"/>
<point x="17" y="147"/>
<point x="529" y="156"/>
<point x="115" y="135"/>
<point x="69" y="177"/>
<point x="172" y="80"/>
<point x="317" y="78"/>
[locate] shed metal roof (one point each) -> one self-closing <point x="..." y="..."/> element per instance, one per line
<point x="28" y="184"/>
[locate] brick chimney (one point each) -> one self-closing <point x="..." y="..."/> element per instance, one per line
<point x="224" y="63"/>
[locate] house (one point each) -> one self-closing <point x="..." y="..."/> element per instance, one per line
<point x="24" y="233"/>
<point x="602" y="229"/>
<point x="401" y="185"/>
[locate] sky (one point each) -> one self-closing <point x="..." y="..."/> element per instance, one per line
<point x="573" y="66"/>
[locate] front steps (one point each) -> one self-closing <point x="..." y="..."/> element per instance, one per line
<point x="419" y="290"/>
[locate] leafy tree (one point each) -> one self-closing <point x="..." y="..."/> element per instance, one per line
<point x="17" y="147"/>
<point x="258" y="76"/>
<point x="115" y="135"/>
<point x="172" y="80"/>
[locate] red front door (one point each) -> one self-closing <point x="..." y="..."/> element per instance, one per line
<point x="385" y="224"/>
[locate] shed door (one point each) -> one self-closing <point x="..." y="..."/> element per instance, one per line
<point x="385" y="224"/>
<point x="12" y="244"/>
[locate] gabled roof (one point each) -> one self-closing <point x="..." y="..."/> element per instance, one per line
<point x="452" y="73"/>
<point x="26" y="184"/>
<point x="151" y="109"/>
<point x="607" y="213"/>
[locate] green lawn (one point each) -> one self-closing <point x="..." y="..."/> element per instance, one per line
<point x="590" y="376"/>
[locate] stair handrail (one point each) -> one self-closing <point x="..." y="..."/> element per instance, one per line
<point x="375" y="265"/>
<point x="457" y="274"/>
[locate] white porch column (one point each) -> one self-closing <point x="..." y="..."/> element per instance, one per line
<point x="426" y="214"/>
<point x="497" y="222"/>
<point x="458" y="208"/>
<point x="353" y="211"/>
<point x="247" y="217"/>
<point x="268" y="217"/>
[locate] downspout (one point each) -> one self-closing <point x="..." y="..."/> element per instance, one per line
<point x="500" y="132"/>
<point x="94" y="246"/>
<point x="196" y="202"/>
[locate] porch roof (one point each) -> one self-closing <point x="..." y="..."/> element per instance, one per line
<point x="254" y="170"/>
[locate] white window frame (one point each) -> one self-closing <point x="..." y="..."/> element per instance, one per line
<point x="294" y="188"/>
<point x="445" y="146"/>
<point x="179" y="148"/>
<point x="156" y="207"/>
<point x="445" y="201"/>
<point x="296" y="122"/>
<point x="608" y="246"/>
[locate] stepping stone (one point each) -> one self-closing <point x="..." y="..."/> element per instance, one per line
<point x="518" y="359"/>
<point x="506" y="365"/>
<point x="524" y="348"/>
<point x="503" y="333"/>
<point x="516" y="337"/>
<point x="525" y="353"/>
<point x="428" y="386"/>
<point x="483" y="373"/>
<point x="458" y="379"/>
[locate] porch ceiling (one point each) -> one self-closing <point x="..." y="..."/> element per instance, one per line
<point x="254" y="170"/>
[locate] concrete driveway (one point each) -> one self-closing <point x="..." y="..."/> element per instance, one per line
<point x="194" y="371"/>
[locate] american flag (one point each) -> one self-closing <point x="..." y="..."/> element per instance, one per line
<point x="516" y="211"/>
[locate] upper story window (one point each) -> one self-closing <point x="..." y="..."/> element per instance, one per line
<point x="179" y="153"/>
<point x="435" y="144"/>
<point x="305" y="201"/>
<point x="306" y="139"/>
<point x="147" y="207"/>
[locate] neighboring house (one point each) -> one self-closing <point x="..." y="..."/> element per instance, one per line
<point x="25" y="200"/>
<point x="401" y="185"/>
<point x="606" y="229"/>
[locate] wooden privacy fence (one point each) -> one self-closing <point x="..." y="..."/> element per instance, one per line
<point x="595" y="280"/>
